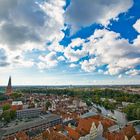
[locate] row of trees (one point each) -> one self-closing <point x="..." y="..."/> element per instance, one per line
<point x="86" y="92"/>
<point x="133" y="111"/>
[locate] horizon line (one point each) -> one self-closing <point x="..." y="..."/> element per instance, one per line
<point x="75" y="85"/>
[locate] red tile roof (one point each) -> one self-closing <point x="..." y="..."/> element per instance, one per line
<point x="137" y="136"/>
<point x="58" y="127"/>
<point x="72" y="133"/>
<point x="114" y="136"/>
<point x="22" y="136"/>
<point x="54" y="135"/>
<point x="85" y="124"/>
<point x="129" y="131"/>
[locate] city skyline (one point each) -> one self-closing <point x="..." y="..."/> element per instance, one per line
<point x="68" y="42"/>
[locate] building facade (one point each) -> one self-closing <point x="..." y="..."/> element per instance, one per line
<point x="41" y="123"/>
<point x="28" y="113"/>
<point x="17" y="105"/>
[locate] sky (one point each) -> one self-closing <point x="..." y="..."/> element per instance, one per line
<point x="70" y="42"/>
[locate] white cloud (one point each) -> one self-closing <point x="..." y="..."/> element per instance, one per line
<point x="84" y="13"/>
<point x="105" y="48"/>
<point x="100" y="71"/>
<point x="111" y="50"/>
<point x="88" y="65"/>
<point x="28" y="25"/>
<point x="55" y="19"/>
<point x="61" y="58"/>
<point x="47" y="61"/>
<point x="23" y="63"/>
<point x="55" y="46"/>
<point x="137" y="26"/>
<point x="133" y="72"/>
<point x="76" y="42"/>
<point x="137" y="41"/>
<point x="72" y="65"/>
<point x="14" y="59"/>
<point x="73" y="54"/>
<point x="120" y="76"/>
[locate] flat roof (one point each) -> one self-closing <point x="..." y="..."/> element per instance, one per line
<point x="29" y="109"/>
<point x="17" y="103"/>
<point x="114" y="128"/>
<point x="27" y="125"/>
<point x="88" y="114"/>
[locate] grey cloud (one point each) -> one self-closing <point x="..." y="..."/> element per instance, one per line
<point x="28" y="13"/>
<point x="3" y="64"/>
<point x="2" y="55"/>
<point x="5" y="8"/>
<point x="21" y="21"/>
<point x="21" y="11"/>
<point x="3" y="58"/>
<point x="26" y="25"/>
<point x="12" y="35"/>
<point x="86" y="12"/>
<point x="133" y="54"/>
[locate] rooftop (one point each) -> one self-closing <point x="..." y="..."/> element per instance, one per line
<point x="137" y="136"/>
<point x="17" y="103"/>
<point x="26" y="125"/>
<point x="88" y="114"/>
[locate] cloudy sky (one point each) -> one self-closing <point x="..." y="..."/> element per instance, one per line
<point x="62" y="42"/>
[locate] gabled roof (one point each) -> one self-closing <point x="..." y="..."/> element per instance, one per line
<point x="129" y="131"/>
<point x="137" y="136"/>
<point x="72" y="133"/>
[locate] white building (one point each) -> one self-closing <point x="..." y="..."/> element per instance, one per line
<point x="93" y="131"/>
<point x="100" y="129"/>
<point x="17" y="103"/>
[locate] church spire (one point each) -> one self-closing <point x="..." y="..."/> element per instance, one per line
<point x="9" y="89"/>
<point x="9" y="82"/>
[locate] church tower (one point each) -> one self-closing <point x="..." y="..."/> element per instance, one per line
<point x="9" y="89"/>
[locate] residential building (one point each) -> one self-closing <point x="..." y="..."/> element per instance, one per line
<point x="17" y="105"/>
<point x="41" y="123"/>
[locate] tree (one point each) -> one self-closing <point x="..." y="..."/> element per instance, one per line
<point x="16" y="95"/>
<point x="12" y="114"/>
<point x="47" y="105"/>
<point x="8" y="115"/>
<point x="133" y="111"/>
<point x="138" y="113"/>
<point x="6" y="107"/>
<point x="88" y="103"/>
